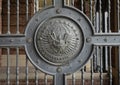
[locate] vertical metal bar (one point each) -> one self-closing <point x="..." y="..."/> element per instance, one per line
<point x="46" y="82"/>
<point x="110" y="65"/>
<point x="68" y="2"/>
<point x="27" y="71"/>
<point x="54" y="2"/>
<point x="59" y="3"/>
<point x="59" y="79"/>
<point x="118" y="26"/>
<point x="100" y="15"/>
<point x="45" y="3"/>
<point x="36" y="77"/>
<point x="17" y="66"/>
<point x="82" y="3"/>
<point x="92" y="80"/>
<point x="106" y="30"/>
<point x="18" y="17"/>
<point x="27" y="18"/>
<point x="97" y="22"/>
<point x="66" y="83"/>
<point x="106" y="21"/>
<point x="8" y="66"/>
<point x="94" y="12"/>
<point x="118" y="14"/>
<point x="101" y="48"/>
<point x="72" y="2"/>
<point x="109" y="28"/>
<point x="82" y="76"/>
<point x="36" y="5"/>
<point x="91" y="11"/>
<point x="91" y="18"/>
<point x="8" y="23"/>
<point x="97" y="30"/>
<point x="95" y="26"/>
<point x="106" y="58"/>
<point x="106" y="47"/>
<point x="73" y="79"/>
<point x="101" y="66"/>
<point x="27" y="10"/>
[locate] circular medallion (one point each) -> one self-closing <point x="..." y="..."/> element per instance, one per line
<point x="58" y="40"/>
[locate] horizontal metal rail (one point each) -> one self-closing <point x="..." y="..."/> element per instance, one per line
<point x="99" y="39"/>
<point x="105" y="39"/>
<point x="12" y="40"/>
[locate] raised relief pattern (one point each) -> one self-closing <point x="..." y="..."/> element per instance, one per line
<point x="58" y="40"/>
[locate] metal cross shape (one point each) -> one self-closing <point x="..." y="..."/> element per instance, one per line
<point x="59" y="40"/>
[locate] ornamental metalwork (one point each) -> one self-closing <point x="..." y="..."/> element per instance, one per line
<point x="58" y="40"/>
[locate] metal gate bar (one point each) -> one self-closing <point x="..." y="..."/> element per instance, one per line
<point x="110" y="66"/>
<point x="8" y="31"/>
<point x="92" y="19"/>
<point x="118" y="27"/>
<point x="46" y="77"/>
<point x="17" y="17"/>
<point x="36" y="77"/>
<point x="72" y="2"/>
<point x="8" y="66"/>
<point x="73" y="79"/>
<point x="100" y="30"/>
<point x="36" y="5"/>
<point x="82" y="7"/>
<point x="101" y="65"/>
<point x="17" y="48"/>
<point x="82" y="76"/>
<point x="27" y="68"/>
<point x="27" y="72"/>
<point x="17" y="65"/>
<point x="95" y="40"/>
<point x="110" y="48"/>
<point x="45" y="3"/>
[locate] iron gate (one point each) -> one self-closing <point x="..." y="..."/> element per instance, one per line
<point x="59" y="40"/>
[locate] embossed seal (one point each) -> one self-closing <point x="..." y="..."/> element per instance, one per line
<point x="58" y="40"/>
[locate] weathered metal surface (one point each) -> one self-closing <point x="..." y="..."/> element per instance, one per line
<point x="12" y="40"/>
<point x="59" y="40"/>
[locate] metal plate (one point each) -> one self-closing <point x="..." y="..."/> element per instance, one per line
<point x="58" y="40"/>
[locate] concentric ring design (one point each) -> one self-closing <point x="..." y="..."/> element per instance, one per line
<point x="58" y="40"/>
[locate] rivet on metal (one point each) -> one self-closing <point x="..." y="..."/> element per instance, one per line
<point x="59" y="69"/>
<point x="29" y="40"/>
<point x="88" y="40"/>
<point x="38" y="61"/>
<point x="40" y="38"/>
<point x="58" y="11"/>
<point x="37" y="19"/>
<point x="79" y="19"/>
<point x="105" y="39"/>
<point x="80" y="61"/>
<point x="11" y="40"/>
